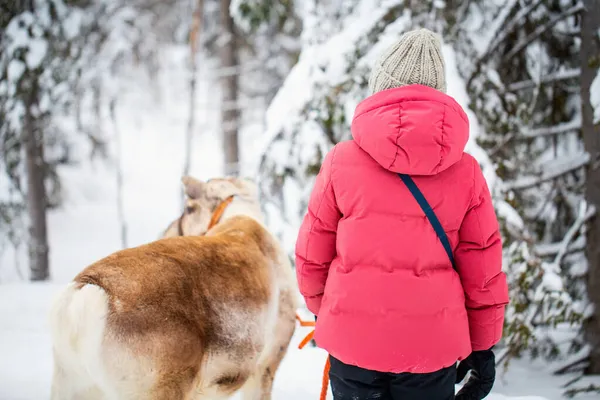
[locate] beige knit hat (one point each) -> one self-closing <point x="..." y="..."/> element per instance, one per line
<point x="415" y="59"/>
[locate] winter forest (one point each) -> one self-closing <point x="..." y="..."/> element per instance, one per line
<point x="106" y="104"/>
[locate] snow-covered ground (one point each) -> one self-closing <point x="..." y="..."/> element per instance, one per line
<point x="86" y="229"/>
<point x="26" y="364"/>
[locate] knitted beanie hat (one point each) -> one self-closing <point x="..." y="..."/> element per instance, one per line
<point x="415" y="59"/>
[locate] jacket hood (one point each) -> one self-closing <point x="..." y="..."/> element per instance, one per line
<point x="413" y="130"/>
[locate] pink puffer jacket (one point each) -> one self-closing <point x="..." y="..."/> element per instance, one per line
<point x="368" y="261"/>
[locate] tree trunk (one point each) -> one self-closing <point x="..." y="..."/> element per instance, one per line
<point x="119" y="174"/>
<point x="36" y="190"/>
<point x="197" y="19"/>
<point x="590" y="64"/>
<point x="229" y="89"/>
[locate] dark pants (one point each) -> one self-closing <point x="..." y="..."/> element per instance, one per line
<point x="353" y="383"/>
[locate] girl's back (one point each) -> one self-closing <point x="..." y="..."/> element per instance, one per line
<point x="369" y="262"/>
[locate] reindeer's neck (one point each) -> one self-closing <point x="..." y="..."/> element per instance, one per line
<point x="242" y="207"/>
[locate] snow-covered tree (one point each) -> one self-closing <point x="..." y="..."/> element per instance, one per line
<point x="522" y="65"/>
<point x="35" y="53"/>
<point x="524" y="90"/>
<point x="58" y="64"/>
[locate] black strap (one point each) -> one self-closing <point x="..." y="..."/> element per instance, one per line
<point x="435" y="222"/>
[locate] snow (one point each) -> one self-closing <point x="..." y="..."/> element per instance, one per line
<point x="234" y="10"/>
<point x="551" y="281"/>
<point x="15" y="70"/>
<point x="512" y="217"/>
<point x="26" y="362"/>
<point x="18" y="37"/>
<point x="72" y="23"/>
<point x="16" y="32"/>
<point x="36" y="52"/>
<point x="595" y="97"/>
<point x="16" y="115"/>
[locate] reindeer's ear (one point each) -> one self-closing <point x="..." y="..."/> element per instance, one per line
<point x="193" y="187"/>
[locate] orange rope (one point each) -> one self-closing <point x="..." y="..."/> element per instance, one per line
<point x="216" y="216"/>
<point x="325" y="382"/>
<point x="304" y="323"/>
<point x="304" y="342"/>
<point x="307" y="339"/>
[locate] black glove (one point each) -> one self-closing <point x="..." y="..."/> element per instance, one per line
<point x="481" y="381"/>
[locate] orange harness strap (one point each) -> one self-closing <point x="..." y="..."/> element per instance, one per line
<point x="216" y="216"/>
<point x="304" y="342"/>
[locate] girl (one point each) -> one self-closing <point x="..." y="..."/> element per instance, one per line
<point x="400" y="298"/>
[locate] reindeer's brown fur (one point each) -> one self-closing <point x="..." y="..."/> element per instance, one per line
<point x="190" y="317"/>
<point x="168" y="280"/>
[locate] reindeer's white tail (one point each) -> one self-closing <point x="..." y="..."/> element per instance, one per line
<point x="77" y="324"/>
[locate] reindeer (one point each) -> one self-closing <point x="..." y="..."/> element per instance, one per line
<point x="203" y="313"/>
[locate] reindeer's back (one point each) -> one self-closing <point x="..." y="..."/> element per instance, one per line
<point x="183" y="283"/>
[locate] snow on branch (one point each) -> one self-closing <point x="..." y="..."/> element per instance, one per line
<point x="543" y="28"/>
<point x="551" y="130"/>
<point x="551" y="170"/>
<point x="554" y="77"/>
<point x="585" y="213"/>
<point x="549" y="249"/>
<point x="595" y="97"/>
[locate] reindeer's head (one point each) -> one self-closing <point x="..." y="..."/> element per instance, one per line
<point x="204" y="200"/>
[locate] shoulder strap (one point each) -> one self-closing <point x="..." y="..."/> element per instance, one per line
<point x="435" y="222"/>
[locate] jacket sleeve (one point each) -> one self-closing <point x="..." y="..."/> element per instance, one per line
<point x="316" y="244"/>
<point x="479" y="263"/>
